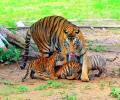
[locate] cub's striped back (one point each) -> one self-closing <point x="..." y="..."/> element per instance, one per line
<point x="43" y="67"/>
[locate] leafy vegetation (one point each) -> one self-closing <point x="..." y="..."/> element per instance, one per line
<point x="115" y="92"/>
<point x="27" y="10"/>
<point x="12" y="54"/>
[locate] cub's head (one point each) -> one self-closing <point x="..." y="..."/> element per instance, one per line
<point x="58" y="58"/>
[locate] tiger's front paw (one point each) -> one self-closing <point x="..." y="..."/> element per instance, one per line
<point x="84" y="78"/>
<point x="56" y="78"/>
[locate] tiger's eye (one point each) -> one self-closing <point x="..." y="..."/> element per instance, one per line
<point x="66" y="32"/>
<point x="77" y="31"/>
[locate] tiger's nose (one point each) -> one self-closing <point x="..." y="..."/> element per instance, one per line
<point x="71" y="38"/>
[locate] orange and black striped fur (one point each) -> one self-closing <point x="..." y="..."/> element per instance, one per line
<point x="49" y="34"/>
<point x="69" y="70"/>
<point x="43" y="67"/>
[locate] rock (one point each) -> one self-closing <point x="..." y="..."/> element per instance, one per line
<point x="20" y="24"/>
<point x="2" y="45"/>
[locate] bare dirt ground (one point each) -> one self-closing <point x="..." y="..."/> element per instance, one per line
<point x="97" y="89"/>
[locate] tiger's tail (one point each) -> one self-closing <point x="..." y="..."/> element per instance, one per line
<point x="26" y="49"/>
<point x="27" y="72"/>
<point x="111" y="59"/>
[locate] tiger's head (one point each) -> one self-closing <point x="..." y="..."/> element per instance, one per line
<point x="73" y="48"/>
<point x="72" y="38"/>
<point x="71" y="31"/>
<point x="71" y="34"/>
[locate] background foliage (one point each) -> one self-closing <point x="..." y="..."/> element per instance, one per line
<point x="27" y="10"/>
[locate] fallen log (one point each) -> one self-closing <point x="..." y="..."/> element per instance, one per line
<point x="13" y="38"/>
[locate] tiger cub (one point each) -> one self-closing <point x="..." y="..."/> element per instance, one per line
<point x="69" y="70"/>
<point x="43" y="68"/>
<point x="98" y="62"/>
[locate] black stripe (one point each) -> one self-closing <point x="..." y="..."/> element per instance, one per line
<point x="50" y="20"/>
<point x="56" y="32"/>
<point x="62" y="26"/>
<point x="43" y="21"/>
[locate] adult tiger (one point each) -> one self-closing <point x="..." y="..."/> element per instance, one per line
<point x="49" y="34"/>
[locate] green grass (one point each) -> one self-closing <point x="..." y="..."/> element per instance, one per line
<point x="49" y="93"/>
<point x="55" y="84"/>
<point x="86" y="86"/>
<point x="65" y="96"/>
<point x="102" y="84"/>
<point x="22" y="88"/>
<point x="29" y="10"/>
<point x="7" y="82"/>
<point x="50" y="84"/>
<point x="41" y="87"/>
<point x="97" y="48"/>
<point x="8" y="89"/>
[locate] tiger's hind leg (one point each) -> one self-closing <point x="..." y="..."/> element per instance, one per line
<point x="73" y="76"/>
<point x="51" y="73"/>
<point x="34" y="75"/>
<point x="43" y="76"/>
